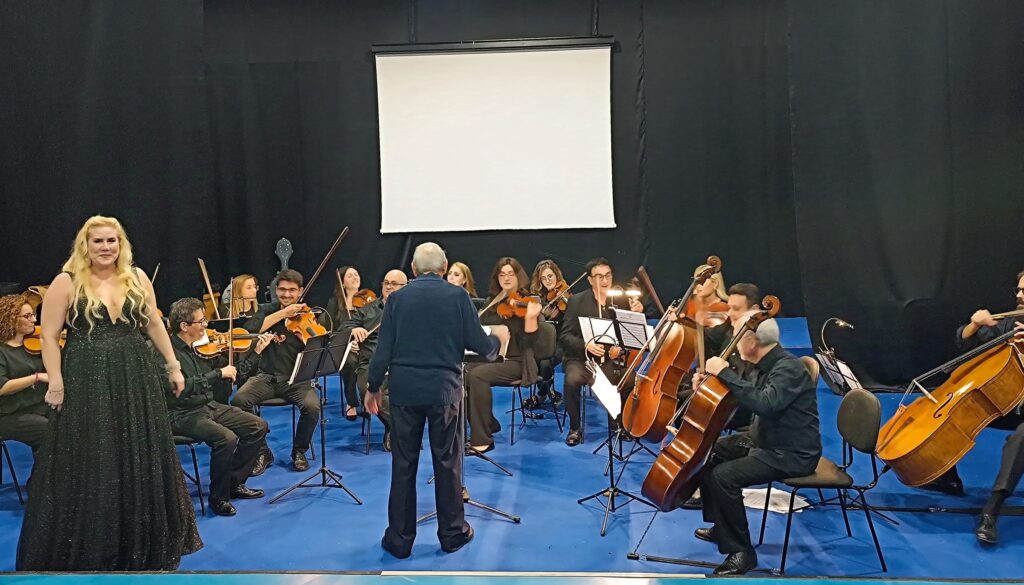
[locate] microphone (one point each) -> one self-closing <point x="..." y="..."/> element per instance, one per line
<point x="844" y="324"/>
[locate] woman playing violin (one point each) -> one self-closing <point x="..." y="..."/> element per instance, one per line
<point x="709" y="302"/>
<point x="460" y="275"/>
<point x="508" y="279"/>
<point x="243" y="296"/>
<point x="548" y="283"/>
<point x="23" y="413"/>
<point x="345" y="301"/>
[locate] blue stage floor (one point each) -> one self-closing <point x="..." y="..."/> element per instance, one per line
<point x="323" y="531"/>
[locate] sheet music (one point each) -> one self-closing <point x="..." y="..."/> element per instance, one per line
<point x="598" y="330"/>
<point x="487" y="331"/>
<point x="633" y="327"/>
<point x="605" y="391"/>
<point x="847" y="373"/>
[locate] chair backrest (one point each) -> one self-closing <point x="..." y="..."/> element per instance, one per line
<point x="812" y="367"/>
<point x="544" y="345"/>
<point x="859" y="418"/>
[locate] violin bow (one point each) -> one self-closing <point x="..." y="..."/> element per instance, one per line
<point x="645" y="280"/>
<point x="323" y="264"/>
<point x="209" y="287"/>
<point x="156" y="271"/>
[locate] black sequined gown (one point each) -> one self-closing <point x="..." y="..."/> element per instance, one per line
<point x="111" y="496"/>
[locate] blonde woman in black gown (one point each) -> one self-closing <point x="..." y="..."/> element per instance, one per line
<point x="110" y="496"/>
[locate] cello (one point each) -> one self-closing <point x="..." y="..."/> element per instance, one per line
<point x="925" y="439"/>
<point x="650" y="405"/>
<point x="675" y="475"/>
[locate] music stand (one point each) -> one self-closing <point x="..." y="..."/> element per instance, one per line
<point x="318" y="360"/>
<point x="587" y="326"/>
<point x="461" y="441"/>
<point x="838" y="375"/>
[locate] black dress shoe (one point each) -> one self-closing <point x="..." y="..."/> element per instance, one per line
<point x="263" y="461"/>
<point x="244" y="492"/>
<point x="387" y="441"/>
<point x="299" y="462"/>
<point x="353" y="415"/>
<point x="470" y="449"/>
<point x="222" y="508"/>
<point x="694" y="503"/>
<point x="986" y="531"/>
<point x="574" y="438"/>
<point x="469" y="537"/>
<point x="398" y="554"/>
<point x="737" y="563"/>
<point x="705" y="534"/>
<point x="947" y="483"/>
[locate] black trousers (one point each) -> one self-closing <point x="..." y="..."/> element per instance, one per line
<point x="546" y="370"/>
<point x="234" y="437"/>
<point x="1011" y="467"/>
<point x="576" y="377"/>
<point x="264" y="387"/>
<point x="350" y="381"/>
<point x="28" y="426"/>
<point x="480" y="377"/>
<point x="446" y="454"/>
<point x="730" y="469"/>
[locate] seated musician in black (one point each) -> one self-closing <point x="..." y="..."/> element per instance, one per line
<point x="233" y="435"/>
<point x="362" y="325"/>
<point x="594" y="302"/>
<point x="983" y="328"/>
<point x="784" y="441"/>
<point x="520" y="364"/>
<point x="275" y="369"/>
<point x="546" y="279"/>
<point x="24" y="415"/>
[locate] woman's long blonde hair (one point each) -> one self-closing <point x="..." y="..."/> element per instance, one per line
<point x="80" y="267"/>
<point x="237" y="302"/>
<point x="718" y="279"/>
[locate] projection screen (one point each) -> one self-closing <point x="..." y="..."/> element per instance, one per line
<point x="495" y="140"/>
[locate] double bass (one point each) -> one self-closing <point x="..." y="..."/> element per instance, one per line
<point x="652" y="402"/>
<point x="925" y="439"/>
<point x="675" y="475"/>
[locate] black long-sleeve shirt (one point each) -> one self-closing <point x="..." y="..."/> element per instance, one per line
<point x="583" y="304"/>
<point x="983" y="335"/>
<point x="427" y="326"/>
<point x="368" y="316"/>
<point x="278" y="359"/>
<point x="784" y="401"/>
<point x="202" y="374"/>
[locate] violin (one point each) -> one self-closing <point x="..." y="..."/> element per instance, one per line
<point x="363" y="298"/>
<point x="241" y="341"/>
<point x="559" y="295"/>
<point x="714" y="314"/>
<point x="33" y="343"/>
<point x="304" y="324"/>
<point x="515" y="304"/>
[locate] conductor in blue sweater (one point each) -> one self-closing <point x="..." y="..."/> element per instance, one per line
<point x="426" y="328"/>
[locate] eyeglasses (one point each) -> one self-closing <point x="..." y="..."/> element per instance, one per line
<point x="28" y="317"/>
<point x="390" y="284"/>
<point x="204" y="321"/>
<point x="602" y="276"/>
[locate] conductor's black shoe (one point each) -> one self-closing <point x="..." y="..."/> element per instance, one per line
<point x="737" y="563"/>
<point x="395" y="553"/>
<point x="299" y="462"/>
<point x="705" y="534"/>
<point x="469" y="537"/>
<point x="263" y="461"/>
<point x="222" y="508"/>
<point x="244" y="492"/>
<point x="575" y="438"/>
<point x="986" y="531"/>
<point x="387" y="441"/>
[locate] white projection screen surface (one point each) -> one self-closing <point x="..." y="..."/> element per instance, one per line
<point x="495" y="140"/>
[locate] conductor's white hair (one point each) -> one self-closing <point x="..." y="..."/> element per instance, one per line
<point x="429" y="257"/>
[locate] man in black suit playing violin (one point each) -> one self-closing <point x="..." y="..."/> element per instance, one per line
<point x="984" y="328"/>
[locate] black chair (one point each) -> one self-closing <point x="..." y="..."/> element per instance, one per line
<point x="278" y="402"/>
<point x="858" y="421"/>
<point x="10" y="466"/>
<point x="543" y="348"/>
<point x="189" y="442"/>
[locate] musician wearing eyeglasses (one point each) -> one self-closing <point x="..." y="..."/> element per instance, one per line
<point x="362" y="326"/>
<point x="984" y="327"/>
<point x="233" y="435"/>
<point x="589" y="303"/>
<point x="275" y="369"/>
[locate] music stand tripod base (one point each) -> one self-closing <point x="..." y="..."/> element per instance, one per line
<point x="318" y="360"/>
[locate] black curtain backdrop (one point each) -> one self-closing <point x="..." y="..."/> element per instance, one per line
<point x="856" y="158"/>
